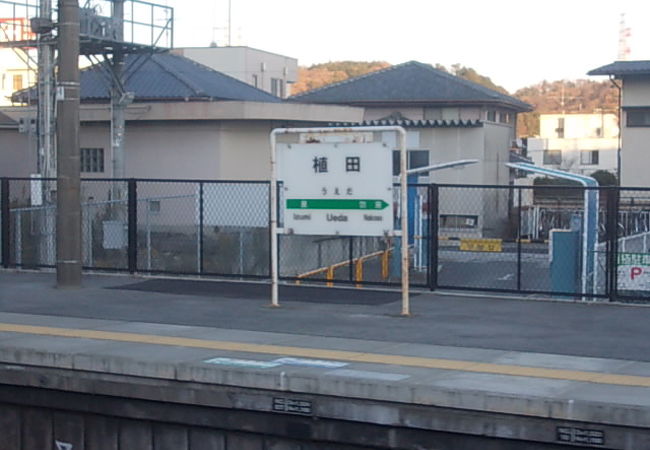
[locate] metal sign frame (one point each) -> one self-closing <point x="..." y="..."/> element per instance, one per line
<point x="401" y="132"/>
<point x="589" y="219"/>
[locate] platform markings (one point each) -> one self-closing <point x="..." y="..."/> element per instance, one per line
<point x="337" y="355"/>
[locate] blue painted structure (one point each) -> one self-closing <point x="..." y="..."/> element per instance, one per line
<point x="589" y="229"/>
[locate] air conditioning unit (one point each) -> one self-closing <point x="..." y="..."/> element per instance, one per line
<point x="93" y="25"/>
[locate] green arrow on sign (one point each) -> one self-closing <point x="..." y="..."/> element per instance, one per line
<point x="333" y="203"/>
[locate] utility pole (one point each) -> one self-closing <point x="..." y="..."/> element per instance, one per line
<point x="118" y="100"/>
<point x="68" y="219"/>
<point x="229" y="23"/>
<point x="46" y="146"/>
<point x="46" y="153"/>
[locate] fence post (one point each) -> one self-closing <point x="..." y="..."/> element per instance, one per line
<point x="611" y="285"/>
<point x="519" y="192"/>
<point x="6" y="220"/>
<point x="201" y="227"/>
<point x="351" y="257"/>
<point x="434" y="200"/>
<point x="132" y="226"/>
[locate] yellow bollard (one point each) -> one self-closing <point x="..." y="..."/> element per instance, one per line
<point x="384" y="265"/>
<point x="330" y="276"/>
<point x="358" y="269"/>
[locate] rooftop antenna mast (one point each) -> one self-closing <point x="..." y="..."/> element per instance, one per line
<point x="624" y="34"/>
<point x="131" y="27"/>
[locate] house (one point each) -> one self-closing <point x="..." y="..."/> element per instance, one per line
<point x="447" y="118"/>
<point x="187" y="121"/>
<point x="264" y="70"/>
<point x="633" y="79"/>
<point x="579" y="143"/>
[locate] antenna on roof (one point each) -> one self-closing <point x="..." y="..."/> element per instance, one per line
<point x="624" y="34"/>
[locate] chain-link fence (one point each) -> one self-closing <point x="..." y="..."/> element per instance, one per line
<point x="568" y="242"/>
<point x="363" y="260"/>
<point x="527" y="240"/>
<point x="632" y="247"/>
<point x="151" y="226"/>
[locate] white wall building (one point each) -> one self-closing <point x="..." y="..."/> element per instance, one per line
<point x="579" y="143"/>
<point x="14" y="73"/>
<point x="267" y="71"/>
<point x="634" y="79"/>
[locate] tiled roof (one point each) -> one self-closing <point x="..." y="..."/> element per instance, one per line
<point x="166" y="77"/>
<point x="619" y="68"/>
<point x="408" y="123"/>
<point x="411" y="82"/>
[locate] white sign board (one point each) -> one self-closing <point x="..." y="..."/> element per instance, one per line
<point x="332" y="188"/>
<point x="634" y="271"/>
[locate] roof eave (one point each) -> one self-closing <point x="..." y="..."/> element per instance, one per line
<point x="375" y="103"/>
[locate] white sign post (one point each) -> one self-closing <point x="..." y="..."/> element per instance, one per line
<point x="338" y="181"/>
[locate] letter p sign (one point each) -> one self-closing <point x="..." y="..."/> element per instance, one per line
<point x="635" y="272"/>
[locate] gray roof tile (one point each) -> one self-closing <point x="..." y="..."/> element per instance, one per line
<point x="622" y="68"/>
<point x="408" y="123"/>
<point x="411" y="82"/>
<point x="166" y="77"/>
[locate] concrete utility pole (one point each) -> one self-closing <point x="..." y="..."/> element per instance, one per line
<point x="68" y="219"/>
<point x="118" y="100"/>
<point x="46" y="149"/>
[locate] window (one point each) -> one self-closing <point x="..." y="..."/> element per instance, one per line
<point x="492" y="115"/>
<point x="560" y="127"/>
<point x="277" y="87"/>
<point x="552" y="157"/>
<point x="255" y="81"/>
<point x="504" y="117"/>
<point x="458" y="221"/>
<point x="638" y="117"/>
<point x="589" y="157"/>
<point x="92" y="160"/>
<point x="18" y="82"/>
<point x="416" y="158"/>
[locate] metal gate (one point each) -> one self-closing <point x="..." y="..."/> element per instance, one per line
<point x="531" y="240"/>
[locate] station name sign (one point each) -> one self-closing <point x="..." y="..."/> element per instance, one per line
<point x="336" y="188"/>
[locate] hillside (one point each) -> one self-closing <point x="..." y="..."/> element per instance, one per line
<point x="319" y="75"/>
<point x="577" y="96"/>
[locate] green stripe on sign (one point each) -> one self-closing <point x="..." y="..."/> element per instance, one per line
<point x="332" y="203"/>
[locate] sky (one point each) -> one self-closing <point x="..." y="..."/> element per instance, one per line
<point x="515" y="42"/>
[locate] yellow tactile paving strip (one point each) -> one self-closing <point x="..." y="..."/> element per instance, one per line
<point x="338" y="355"/>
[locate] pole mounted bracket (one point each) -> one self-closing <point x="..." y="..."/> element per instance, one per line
<point x="41" y="25"/>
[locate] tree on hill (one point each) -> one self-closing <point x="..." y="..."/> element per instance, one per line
<point x="564" y="96"/>
<point x="472" y="75"/>
<point x="319" y="75"/>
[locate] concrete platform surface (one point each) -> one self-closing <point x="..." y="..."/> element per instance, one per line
<point x="586" y="362"/>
